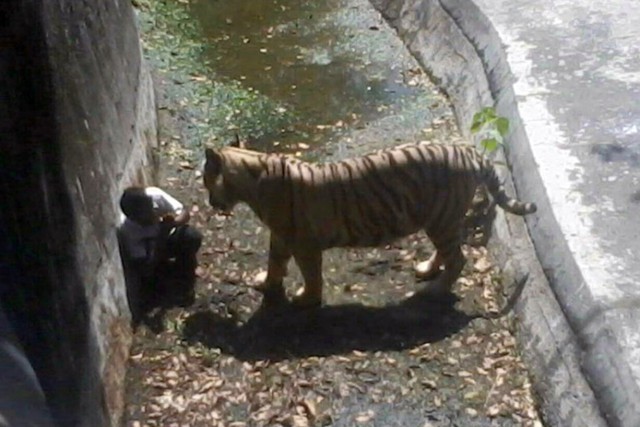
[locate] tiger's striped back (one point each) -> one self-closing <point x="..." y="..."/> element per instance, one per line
<point x="374" y="199"/>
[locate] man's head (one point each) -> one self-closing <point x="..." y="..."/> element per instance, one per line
<point x="137" y="206"/>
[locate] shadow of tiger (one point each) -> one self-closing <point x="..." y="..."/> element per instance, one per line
<point x="285" y="331"/>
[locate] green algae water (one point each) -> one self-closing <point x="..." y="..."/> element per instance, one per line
<point x="325" y="61"/>
<point x="287" y="74"/>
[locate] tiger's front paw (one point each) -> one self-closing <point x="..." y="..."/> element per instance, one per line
<point x="429" y="269"/>
<point x="272" y="293"/>
<point x="306" y="300"/>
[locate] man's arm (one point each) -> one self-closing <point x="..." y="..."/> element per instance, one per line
<point x="176" y="214"/>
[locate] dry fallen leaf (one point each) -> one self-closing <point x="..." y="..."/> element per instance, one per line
<point x="493" y="410"/>
<point x="365" y="416"/>
<point x="259" y="277"/>
<point x="310" y="409"/>
<point x="429" y="384"/>
<point x="482" y="265"/>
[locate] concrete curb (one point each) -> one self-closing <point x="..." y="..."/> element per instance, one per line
<point x="601" y="326"/>
<point x="603" y="360"/>
<point x="470" y="64"/>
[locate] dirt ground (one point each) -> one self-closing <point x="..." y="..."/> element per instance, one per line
<point x="378" y="353"/>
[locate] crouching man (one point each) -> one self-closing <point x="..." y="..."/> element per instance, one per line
<point x="158" y="249"/>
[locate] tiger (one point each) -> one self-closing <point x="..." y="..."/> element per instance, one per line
<point x="365" y="201"/>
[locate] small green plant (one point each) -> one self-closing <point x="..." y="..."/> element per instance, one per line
<point x="490" y="128"/>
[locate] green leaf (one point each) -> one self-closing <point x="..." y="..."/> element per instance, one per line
<point x="489" y="113"/>
<point x="489" y="144"/>
<point x="502" y="124"/>
<point x="490" y="127"/>
<point x="477" y="122"/>
<point x="494" y="134"/>
<point x="476" y="126"/>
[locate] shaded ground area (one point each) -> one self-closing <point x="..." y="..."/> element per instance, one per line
<point x="378" y="353"/>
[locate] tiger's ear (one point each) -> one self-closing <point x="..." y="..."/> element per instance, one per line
<point x="211" y="154"/>
<point x="237" y="142"/>
<point x="214" y="159"/>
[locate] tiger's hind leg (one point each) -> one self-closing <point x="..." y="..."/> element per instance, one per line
<point x="309" y="261"/>
<point x="279" y="256"/>
<point x="448" y="247"/>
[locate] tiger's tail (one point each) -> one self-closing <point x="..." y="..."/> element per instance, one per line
<point x="497" y="190"/>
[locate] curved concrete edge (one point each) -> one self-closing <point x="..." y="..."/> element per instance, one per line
<point x="469" y="63"/>
<point x="604" y="358"/>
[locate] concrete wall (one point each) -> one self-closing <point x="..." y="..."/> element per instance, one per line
<point x="77" y="124"/>
<point x="460" y="49"/>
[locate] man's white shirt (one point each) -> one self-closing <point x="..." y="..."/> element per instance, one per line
<point x="139" y="238"/>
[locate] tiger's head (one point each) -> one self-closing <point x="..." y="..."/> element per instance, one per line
<point x="231" y="175"/>
<point x="213" y="177"/>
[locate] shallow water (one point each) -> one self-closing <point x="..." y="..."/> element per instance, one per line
<point x="332" y="63"/>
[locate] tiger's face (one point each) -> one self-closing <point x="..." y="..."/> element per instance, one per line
<point x="219" y="197"/>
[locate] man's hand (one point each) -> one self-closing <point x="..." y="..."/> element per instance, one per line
<point x="167" y="223"/>
<point x="168" y="220"/>
<point x="183" y="217"/>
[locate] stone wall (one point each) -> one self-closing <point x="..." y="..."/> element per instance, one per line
<point x="77" y="124"/>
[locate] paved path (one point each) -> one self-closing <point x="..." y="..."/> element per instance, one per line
<point x="567" y="75"/>
<point x="577" y="83"/>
